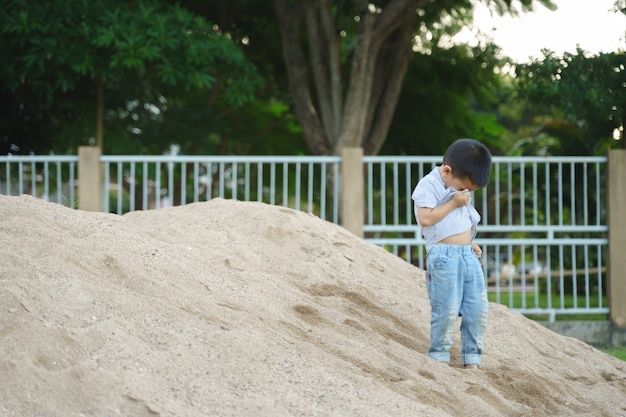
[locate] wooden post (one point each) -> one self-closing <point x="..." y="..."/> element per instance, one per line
<point x="89" y="179"/>
<point x="616" y="222"/>
<point x="352" y="190"/>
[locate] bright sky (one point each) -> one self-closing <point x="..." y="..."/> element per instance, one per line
<point x="589" y="24"/>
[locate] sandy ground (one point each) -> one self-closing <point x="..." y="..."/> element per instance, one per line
<point x="228" y="308"/>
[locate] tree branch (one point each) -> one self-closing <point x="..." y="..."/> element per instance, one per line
<point x="401" y="48"/>
<point x="394" y="14"/>
<point x="334" y="65"/>
<point x="361" y="80"/>
<point x="320" y="69"/>
<point x="290" y="15"/>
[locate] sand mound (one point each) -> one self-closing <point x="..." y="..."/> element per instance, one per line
<point x="229" y="308"/>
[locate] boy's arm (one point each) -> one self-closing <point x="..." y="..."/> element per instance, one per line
<point x="429" y="216"/>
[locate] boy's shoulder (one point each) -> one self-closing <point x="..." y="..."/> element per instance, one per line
<point x="433" y="177"/>
<point x="429" y="188"/>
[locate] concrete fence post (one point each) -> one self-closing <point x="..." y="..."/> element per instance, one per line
<point x="616" y="222"/>
<point x="89" y="179"/>
<point x="352" y="191"/>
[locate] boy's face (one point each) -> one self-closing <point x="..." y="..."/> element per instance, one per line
<point x="458" y="184"/>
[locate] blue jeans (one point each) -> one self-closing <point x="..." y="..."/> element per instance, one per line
<point x="456" y="287"/>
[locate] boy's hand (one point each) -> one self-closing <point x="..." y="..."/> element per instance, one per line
<point x="462" y="198"/>
<point x="477" y="250"/>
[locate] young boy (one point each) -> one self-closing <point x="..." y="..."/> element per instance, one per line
<point x="454" y="277"/>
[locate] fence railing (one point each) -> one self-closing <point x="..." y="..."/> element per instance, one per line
<point x="51" y="178"/>
<point x="543" y="229"/>
<point x="147" y="182"/>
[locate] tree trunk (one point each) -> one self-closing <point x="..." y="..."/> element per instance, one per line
<point x="290" y="16"/>
<point x="100" y="113"/>
<point x="360" y="115"/>
<point x="623" y="135"/>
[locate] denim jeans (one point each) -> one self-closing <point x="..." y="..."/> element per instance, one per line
<point x="456" y="287"/>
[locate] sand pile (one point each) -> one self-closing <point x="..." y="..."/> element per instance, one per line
<point x="229" y="308"/>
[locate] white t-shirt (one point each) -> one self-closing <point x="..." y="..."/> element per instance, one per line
<point x="431" y="192"/>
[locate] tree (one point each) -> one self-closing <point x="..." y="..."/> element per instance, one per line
<point x="266" y="125"/>
<point x="586" y="96"/>
<point x="57" y="50"/>
<point x="460" y="100"/>
<point x="345" y="94"/>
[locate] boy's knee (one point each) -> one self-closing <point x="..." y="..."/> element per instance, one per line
<point x="483" y="318"/>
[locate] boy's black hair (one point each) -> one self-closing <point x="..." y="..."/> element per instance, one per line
<point x="469" y="159"/>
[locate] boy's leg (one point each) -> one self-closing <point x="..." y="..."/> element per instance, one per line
<point x="442" y="285"/>
<point x="474" y="308"/>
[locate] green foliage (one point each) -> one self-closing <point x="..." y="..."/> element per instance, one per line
<point x="584" y="98"/>
<point x="263" y="126"/>
<point x="54" y="51"/>
<point x="448" y="94"/>
<point x="154" y="40"/>
<point x="453" y="91"/>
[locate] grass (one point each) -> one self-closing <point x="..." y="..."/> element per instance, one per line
<point x="532" y="300"/>
<point x="618" y="352"/>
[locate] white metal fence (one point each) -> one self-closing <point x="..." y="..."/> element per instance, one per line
<point x="543" y="230"/>
<point x="544" y="233"/>
<point x="144" y="182"/>
<point x="51" y="178"/>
